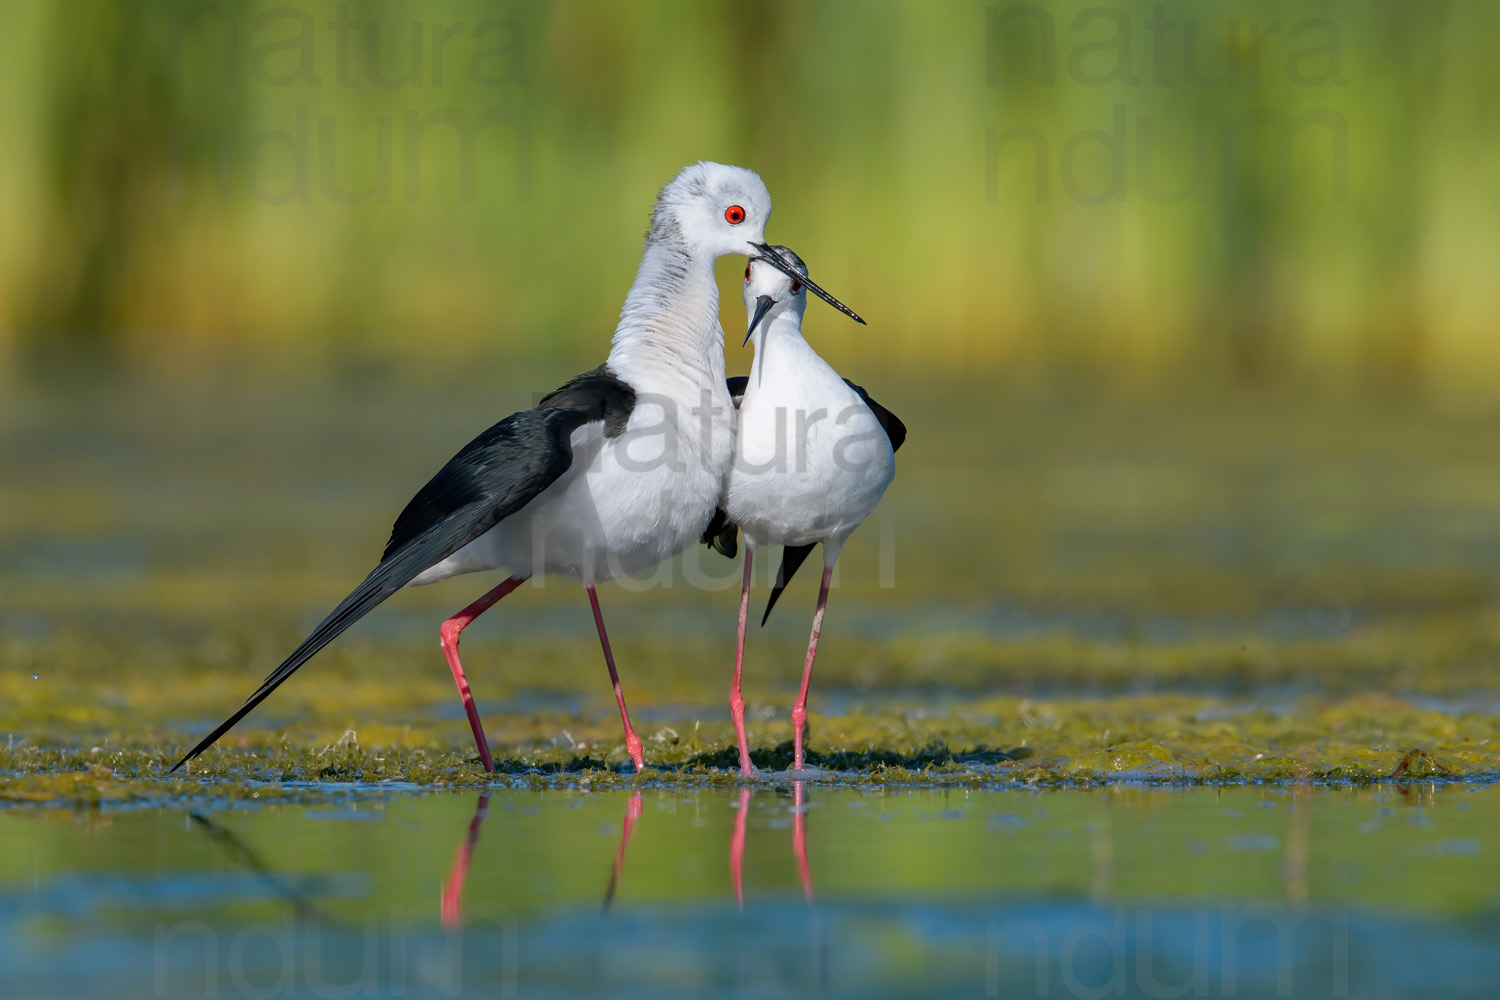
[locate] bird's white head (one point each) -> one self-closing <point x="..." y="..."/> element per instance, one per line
<point x="713" y="210"/>
<point x="770" y="292"/>
<point x="776" y="284"/>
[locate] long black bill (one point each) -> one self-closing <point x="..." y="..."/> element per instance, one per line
<point x="762" y="306"/>
<point x="770" y="256"/>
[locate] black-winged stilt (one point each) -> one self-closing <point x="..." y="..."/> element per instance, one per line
<point x="813" y="456"/>
<point x="617" y="470"/>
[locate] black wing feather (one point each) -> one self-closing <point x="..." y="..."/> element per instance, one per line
<point x="792" y="558"/>
<point x="491" y="478"/>
<point x="478" y="483"/>
<point x="894" y="429"/>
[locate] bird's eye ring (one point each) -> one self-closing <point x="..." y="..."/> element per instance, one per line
<point x="747" y="272"/>
<point x="734" y="215"/>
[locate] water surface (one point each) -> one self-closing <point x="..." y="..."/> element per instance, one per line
<point x="773" y="891"/>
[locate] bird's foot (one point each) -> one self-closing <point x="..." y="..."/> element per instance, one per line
<point x="637" y="757"/>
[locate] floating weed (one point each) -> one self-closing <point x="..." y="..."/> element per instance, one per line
<point x="1160" y="738"/>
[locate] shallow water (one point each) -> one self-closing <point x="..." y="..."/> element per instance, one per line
<point x="1310" y="891"/>
<point x="1223" y="592"/>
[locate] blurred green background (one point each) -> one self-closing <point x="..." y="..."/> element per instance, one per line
<point x="1188" y="308"/>
<point x="174" y="188"/>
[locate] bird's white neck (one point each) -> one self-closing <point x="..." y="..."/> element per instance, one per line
<point x="779" y="345"/>
<point x="669" y="336"/>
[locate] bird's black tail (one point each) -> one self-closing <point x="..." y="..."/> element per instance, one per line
<point x="792" y="558"/>
<point x="387" y="578"/>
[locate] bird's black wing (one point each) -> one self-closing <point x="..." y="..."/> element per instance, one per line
<point x="793" y="556"/>
<point x="492" y="477"/>
<point x="889" y="422"/>
<point x="518" y="453"/>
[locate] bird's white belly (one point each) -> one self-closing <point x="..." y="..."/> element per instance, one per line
<point x="624" y="505"/>
<point x="795" y="484"/>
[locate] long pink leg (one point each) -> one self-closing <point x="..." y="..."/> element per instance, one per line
<point x="448" y="639"/>
<point x="632" y="741"/>
<point x="799" y="710"/>
<point x="799" y="839"/>
<point x="453" y="888"/>
<point x="736" y="701"/>
<point x="632" y="813"/>
<point x="737" y="849"/>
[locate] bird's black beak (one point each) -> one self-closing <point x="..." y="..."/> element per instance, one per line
<point x="773" y="258"/>
<point x="762" y="306"/>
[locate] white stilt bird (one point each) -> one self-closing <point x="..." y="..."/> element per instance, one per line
<point x="813" y="456"/>
<point x="608" y="475"/>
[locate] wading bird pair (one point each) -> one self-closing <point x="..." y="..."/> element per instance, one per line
<point x="553" y="490"/>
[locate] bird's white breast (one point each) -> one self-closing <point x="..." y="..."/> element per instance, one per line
<point x="811" y="461"/>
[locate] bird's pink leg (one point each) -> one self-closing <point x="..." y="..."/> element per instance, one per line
<point x="737" y="849"/>
<point x="799" y="839"/>
<point x="799" y="710"/>
<point x="448" y="639"/>
<point x="736" y="701"/>
<point x="632" y="741"/>
<point x="453" y="888"/>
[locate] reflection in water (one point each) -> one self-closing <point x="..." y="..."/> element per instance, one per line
<point x="1102" y="850"/>
<point x="737" y="849"/>
<point x="1221" y="891"/>
<point x="1298" y="844"/>
<point x="799" y="839"/>
<point x="627" y="827"/>
<point x="458" y="874"/>
<point x="453" y="887"/>
<point x="246" y="855"/>
<point x="799" y="843"/>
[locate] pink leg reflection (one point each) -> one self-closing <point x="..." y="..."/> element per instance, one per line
<point x="799" y="839"/>
<point x="737" y="849"/>
<point x="453" y="888"/>
<point x="627" y="827"/>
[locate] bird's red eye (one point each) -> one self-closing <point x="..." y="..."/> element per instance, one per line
<point x="734" y="215"/>
<point x="747" y="272"/>
<point x="796" y="287"/>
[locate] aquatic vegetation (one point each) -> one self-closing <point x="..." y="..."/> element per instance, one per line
<point x="1173" y="592"/>
<point x="1004" y="741"/>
